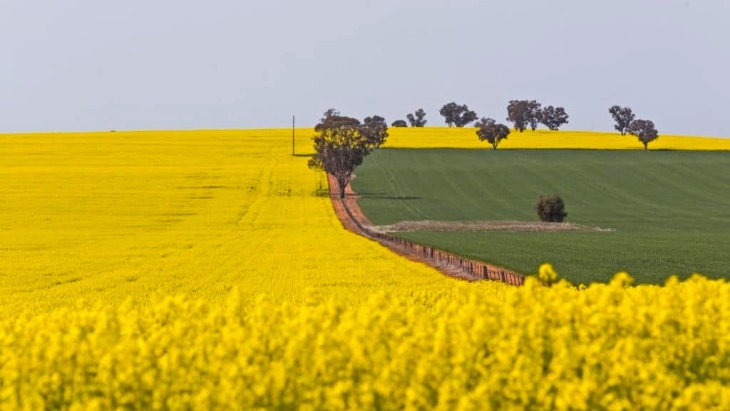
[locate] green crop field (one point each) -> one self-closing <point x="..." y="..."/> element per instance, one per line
<point x="652" y="214"/>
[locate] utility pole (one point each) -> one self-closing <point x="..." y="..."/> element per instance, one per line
<point x="293" y="119"/>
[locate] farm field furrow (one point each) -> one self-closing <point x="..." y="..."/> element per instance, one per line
<point x="109" y="216"/>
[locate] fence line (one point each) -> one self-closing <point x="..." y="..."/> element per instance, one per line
<point x="475" y="268"/>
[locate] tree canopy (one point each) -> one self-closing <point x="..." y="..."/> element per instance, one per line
<point x="553" y="117"/>
<point x="623" y="116"/>
<point x="374" y="130"/>
<point x="457" y="115"/>
<point x="489" y="130"/>
<point x="644" y="130"/>
<point x="533" y="113"/>
<point x="341" y="144"/>
<point x="418" y="119"/>
<point x="523" y="113"/>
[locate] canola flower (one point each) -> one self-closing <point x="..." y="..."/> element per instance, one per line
<point x="442" y="137"/>
<point x="280" y="308"/>
<point x="103" y="216"/>
<point x="106" y="216"/>
<point x="606" y="346"/>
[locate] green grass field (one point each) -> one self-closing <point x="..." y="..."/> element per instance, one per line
<point x="670" y="209"/>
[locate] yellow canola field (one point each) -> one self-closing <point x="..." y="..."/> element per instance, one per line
<point x="606" y="347"/>
<point x="442" y="137"/>
<point x="280" y="308"/>
<point x="113" y="215"/>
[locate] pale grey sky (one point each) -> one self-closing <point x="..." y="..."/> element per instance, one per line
<point x="180" y="64"/>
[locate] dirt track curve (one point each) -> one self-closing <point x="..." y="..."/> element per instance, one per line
<point x="349" y="203"/>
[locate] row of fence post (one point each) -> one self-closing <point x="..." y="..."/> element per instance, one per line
<point x="475" y="268"/>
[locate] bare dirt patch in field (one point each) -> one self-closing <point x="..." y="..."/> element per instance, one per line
<point x="504" y="226"/>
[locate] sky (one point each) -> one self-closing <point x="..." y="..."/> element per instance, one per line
<point x="86" y="65"/>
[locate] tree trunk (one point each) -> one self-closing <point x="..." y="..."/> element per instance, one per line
<point x="342" y="185"/>
<point x="645" y="145"/>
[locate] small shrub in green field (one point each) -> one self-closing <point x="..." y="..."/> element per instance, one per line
<point x="551" y="209"/>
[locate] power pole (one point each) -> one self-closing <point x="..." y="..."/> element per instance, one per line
<point x="293" y="120"/>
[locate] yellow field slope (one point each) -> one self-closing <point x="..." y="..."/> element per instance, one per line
<point x="220" y="218"/>
<point x="603" y="348"/>
<point x="107" y="216"/>
<point x="433" y="137"/>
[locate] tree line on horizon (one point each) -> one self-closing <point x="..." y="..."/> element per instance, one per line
<point x="341" y="143"/>
<point x="529" y="113"/>
<point x="519" y="112"/>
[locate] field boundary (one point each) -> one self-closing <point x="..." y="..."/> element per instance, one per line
<point x="353" y="219"/>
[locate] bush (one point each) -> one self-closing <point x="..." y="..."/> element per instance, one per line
<point x="551" y="209"/>
<point x="399" y="123"/>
